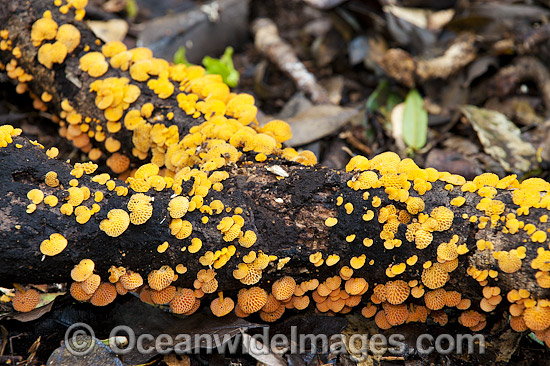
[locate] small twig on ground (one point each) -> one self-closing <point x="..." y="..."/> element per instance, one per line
<point x="268" y="41"/>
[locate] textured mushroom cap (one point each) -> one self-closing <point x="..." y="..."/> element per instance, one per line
<point x="417" y="313"/>
<point x="434" y="277"/>
<point x="145" y="295"/>
<point x="131" y="280"/>
<point x="118" y="163"/>
<point x="274" y="315"/>
<point x="210" y="286"/>
<point x="381" y="321"/>
<point x="333" y="283"/>
<point x="354" y="286"/>
<point x="435" y="300"/>
<point x="252" y="300"/>
<point x="161" y="278"/>
<point x="83" y="270"/>
<point x="396" y="314"/>
<point x="91" y="284"/>
<point x="206" y="275"/>
<point x="518" y="324"/>
<point x="115" y="273"/>
<point x="54" y="245"/>
<point x="464" y="304"/>
<point x="470" y="318"/>
<point x="379" y="292"/>
<point x="369" y="310"/>
<point x="444" y="218"/>
<point x="248" y="239"/>
<point x="508" y="263"/>
<point x="194" y="308"/>
<point x="447" y="251"/>
<point x="140" y="208"/>
<point x="449" y="266"/>
<point x="51" y="179"/>
<point x="452" y="298"/>
<point x="415" y="205"/>
<point x="121" y="290"/>
<point x="104" y="295"/>
<point x="283" y="288"/>
<point x="396" y="292"/>
<point x="239" y="312"/>
<point x="439" y="317"/>
<point x="300" y="302"/>
<point x="183" y="301"/>
<point x="78" y="293"/>
<point x="537" y="317"/>
<point x="25" y="301"/>
<point x="221" y="307"/>
<point x="422" y="238"/>
<point x="163" y="296"/>
<point x="116" y="223"/>
<point x="271" y="304"/>
<point x="178" y="207"/>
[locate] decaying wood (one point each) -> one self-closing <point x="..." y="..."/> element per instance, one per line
<point x="288" y="215"/>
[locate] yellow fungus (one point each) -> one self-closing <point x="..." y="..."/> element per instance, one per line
<point x="331" y="221"/>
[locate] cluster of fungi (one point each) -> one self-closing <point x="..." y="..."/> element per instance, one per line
<point x="190" y="166"/>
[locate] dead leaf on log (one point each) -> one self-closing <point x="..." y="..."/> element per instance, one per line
<point x="501" y="139"/>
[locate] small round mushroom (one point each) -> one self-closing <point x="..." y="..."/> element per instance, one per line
<point x="104" y="295"/>
<point x="25" y="301"/>
<point x="222" y="306"/>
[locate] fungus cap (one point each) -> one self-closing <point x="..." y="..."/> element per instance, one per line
<point x="54" y="245"/>
<point x="131" y="280"/>
<point x="537" y="317"/>
<point x="163" y="296"/>
<point x="25" y="301"/>
<point x="104" y="295"/>
<point x="183" y="301"/>
<point x="91" y="284"/>
<point x="283" y="288"/>
<point x="221" y="306"/>
<point x="83" y="270"/>
<point x="161" y="278"/>
<point x="78" y="293"/>
<point x="252" y="300"/>
<point x="396" y="292"/>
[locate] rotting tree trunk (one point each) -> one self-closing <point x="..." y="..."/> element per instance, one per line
<point x="288" y="215"/>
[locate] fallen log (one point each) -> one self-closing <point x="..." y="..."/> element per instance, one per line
<point x="230" y="199"/>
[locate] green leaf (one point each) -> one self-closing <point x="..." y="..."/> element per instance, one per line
<point x="132" y="9"/>
<point x="179" y="57"/>
<point x="378" y="97"/>
<point x="415" y="121"/>
<point x="223" y="66"/>
<point x="393" y="100"/>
